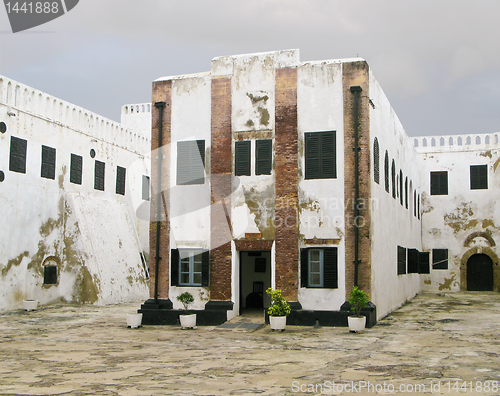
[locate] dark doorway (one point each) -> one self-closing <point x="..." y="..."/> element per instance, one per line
<point x="255" y="278"/>
<point x="479" y="273"/>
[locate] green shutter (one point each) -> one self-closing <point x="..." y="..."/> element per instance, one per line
<point x="205" y="268"/>
<point x="18" y="149"/>
<point x="439" y="259"/>
<point x="99" y="175"/>
<point x="242" y="158"/>
<point x="304" y="267"/>
<point x="76" y="165"/>
<point x="439" y="183"/>
<point x="120" y="180"/>
<point x="48" y="162"/>
<point x="413" y="261"/>
<point x="401" y="260"/>
<point x="312" y="155"/>
<point x="174" y="267"/>
<point x="423" y="263"/>
<point x="330" y="268"/>
<point x="264" y="156"/>
<point x="478" y="177"/>
<point x="191" y="162"/>
<point x="376" y="161"/>
<point x="328" y="154"/>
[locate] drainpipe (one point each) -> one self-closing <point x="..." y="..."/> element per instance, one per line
<point x="160" y="106"/>
<point x="356" y="89"/>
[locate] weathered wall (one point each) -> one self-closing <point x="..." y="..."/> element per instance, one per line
<point x="392" y="224"/>
<point x="465" y="221"/>
<point x="93" y="236"/>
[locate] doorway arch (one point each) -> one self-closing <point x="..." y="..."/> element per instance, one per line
<point x="480" y="267"/>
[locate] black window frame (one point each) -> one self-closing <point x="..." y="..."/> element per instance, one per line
<point x="48" y="168"/>
<point x="440" y="259"/>
<point x="99" y="175"/>
<point x="439" y="182"/>
<point x="479" y="177"/>
<point x="18" y="154"/>
<point x="175" y="260"/>
<point x="121" y="174"/>
<point x="329" y="276"/>
<point x="189" y="169"/>
<point x="242" y="157"/>
<point x="320" y="155"/>
<point x="263" y="156"/>
<point x="76" y="169"/>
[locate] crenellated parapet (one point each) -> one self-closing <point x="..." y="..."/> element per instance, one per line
<point x="20" y="98"/>
<point x="452" y="143"/>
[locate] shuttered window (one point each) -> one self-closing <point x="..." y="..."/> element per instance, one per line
<point x="191" y="162"/>
<point x="76" y="167"/>
<point x="120" y="180"/>
<point x="401" y="198"/>
<point x="439" y="259"/>
<point x="376" y="161"/>
<point x="242" y="158"/>
<point x="48" y="162"/>
<point x="439" y="183"/>
<point x="319" y="267"/>
<point x="386" y="171"/>
<point x="401" y="260"/>
<point x="99" y="175"/>
<point x="264" y="156"/>
<point x="423" y="263"/>
<point x="406" y="193"/>
<point x="190" y="267"/>
<point x="18" y="149"/>
<point x="145" y="187"/>
<point x="320" y="155"/>
<point x="478" y="177"/>
<point x="412" y="261"/>
<point x="393" y="177"/>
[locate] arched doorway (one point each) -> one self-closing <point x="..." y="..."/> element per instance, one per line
<point x="479" y="273"/>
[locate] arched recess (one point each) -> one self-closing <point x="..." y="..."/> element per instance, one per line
<point x="484" y="235"/>
<point x="496" y="266"/>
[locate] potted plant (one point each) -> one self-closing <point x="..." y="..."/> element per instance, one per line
<point x="358" y="300"/>
<point x="134" y="320"/>
<point x="30" y="305"/>
<point x="188" y="320"/>
<point x="278" y="311"/>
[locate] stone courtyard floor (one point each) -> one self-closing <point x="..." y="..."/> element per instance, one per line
<point x="435" y="345"/>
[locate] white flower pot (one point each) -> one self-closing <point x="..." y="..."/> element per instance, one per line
<point x="30" y="305"/>
<point x="188" y="321"/>
<point x="356" y="323"/>
<point x="134" y="320"/>
<point x="277" y="322"/>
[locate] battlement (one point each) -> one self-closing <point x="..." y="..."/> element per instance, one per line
<point x="22" y="98"/>
<point x="138" y="118"/>
<point x="452" y="143"/>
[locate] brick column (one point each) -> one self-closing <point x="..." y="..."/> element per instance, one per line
<point x="286" y="212"/>
<point x="356" y="74"/>
<point x="220" y="176"/>
<point x="161" y="93"/>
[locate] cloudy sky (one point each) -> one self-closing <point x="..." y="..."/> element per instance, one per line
<point x="437" y="61"/>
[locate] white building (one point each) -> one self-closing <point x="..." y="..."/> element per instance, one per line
<point x="299" y="176"/>
<point x="72" y="186"/>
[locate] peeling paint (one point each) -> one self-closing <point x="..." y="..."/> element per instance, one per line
<point x="447" y="283"/>
<point x="495" y="165"/>
<point x="486" y="154"/>
<point x="260" y="202"/>
<point x="14" y="263"/>
<point x="488" y="223"/>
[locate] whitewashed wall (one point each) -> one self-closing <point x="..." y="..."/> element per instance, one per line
<point x="391" y="223"/>
<point x="449" y="219"/>
<point x="92" y="235"/>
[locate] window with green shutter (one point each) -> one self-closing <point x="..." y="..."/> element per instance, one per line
<point x="412" y="261"/>
<point x="17" y="160"/>
<point x="423" y="263"/>
<point x="386" y="171"/>
<point x="76" y="167"/>
<point x="120" y="180"/>
<point x="99" y="175"/>
<point x="439" y="259"/>
<point x="319" y="267"/>
<point x="242" y="158"/>
<point x="479" y="177"/>
<point x="189" y="267"/>
<point x="264" y="156"/>
<point x="376" y="161"/>
<point x="48" y="162"/>
<point x="401" y="260"/>
<point x="320" y="155"/>
<point x="191" y="162"/>
<point x="439" y="183"/>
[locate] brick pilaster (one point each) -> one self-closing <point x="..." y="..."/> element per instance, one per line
<point x="220" y="175"/>
<point x="356" y="74"/>
<point x="286" y="212"/>
<point x="161" y="93"/>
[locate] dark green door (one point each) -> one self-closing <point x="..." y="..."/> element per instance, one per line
<point x="479" y="273"/>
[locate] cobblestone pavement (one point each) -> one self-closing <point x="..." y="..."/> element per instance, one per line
<point x="436" y="344"/>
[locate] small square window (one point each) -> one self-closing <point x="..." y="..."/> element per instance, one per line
<point x="479" y="177"/>
<point x="439" y="259"/>
<point x="49" y="275"/>
<point x="439" y="183"/>
<point x="319" y="268"/>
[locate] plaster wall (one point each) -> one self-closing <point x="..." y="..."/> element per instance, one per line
<point x="465" y="219"/>
<point x="393" y="224"/>
<point x="93" y="236"/>
<point x="321" y="201"/>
